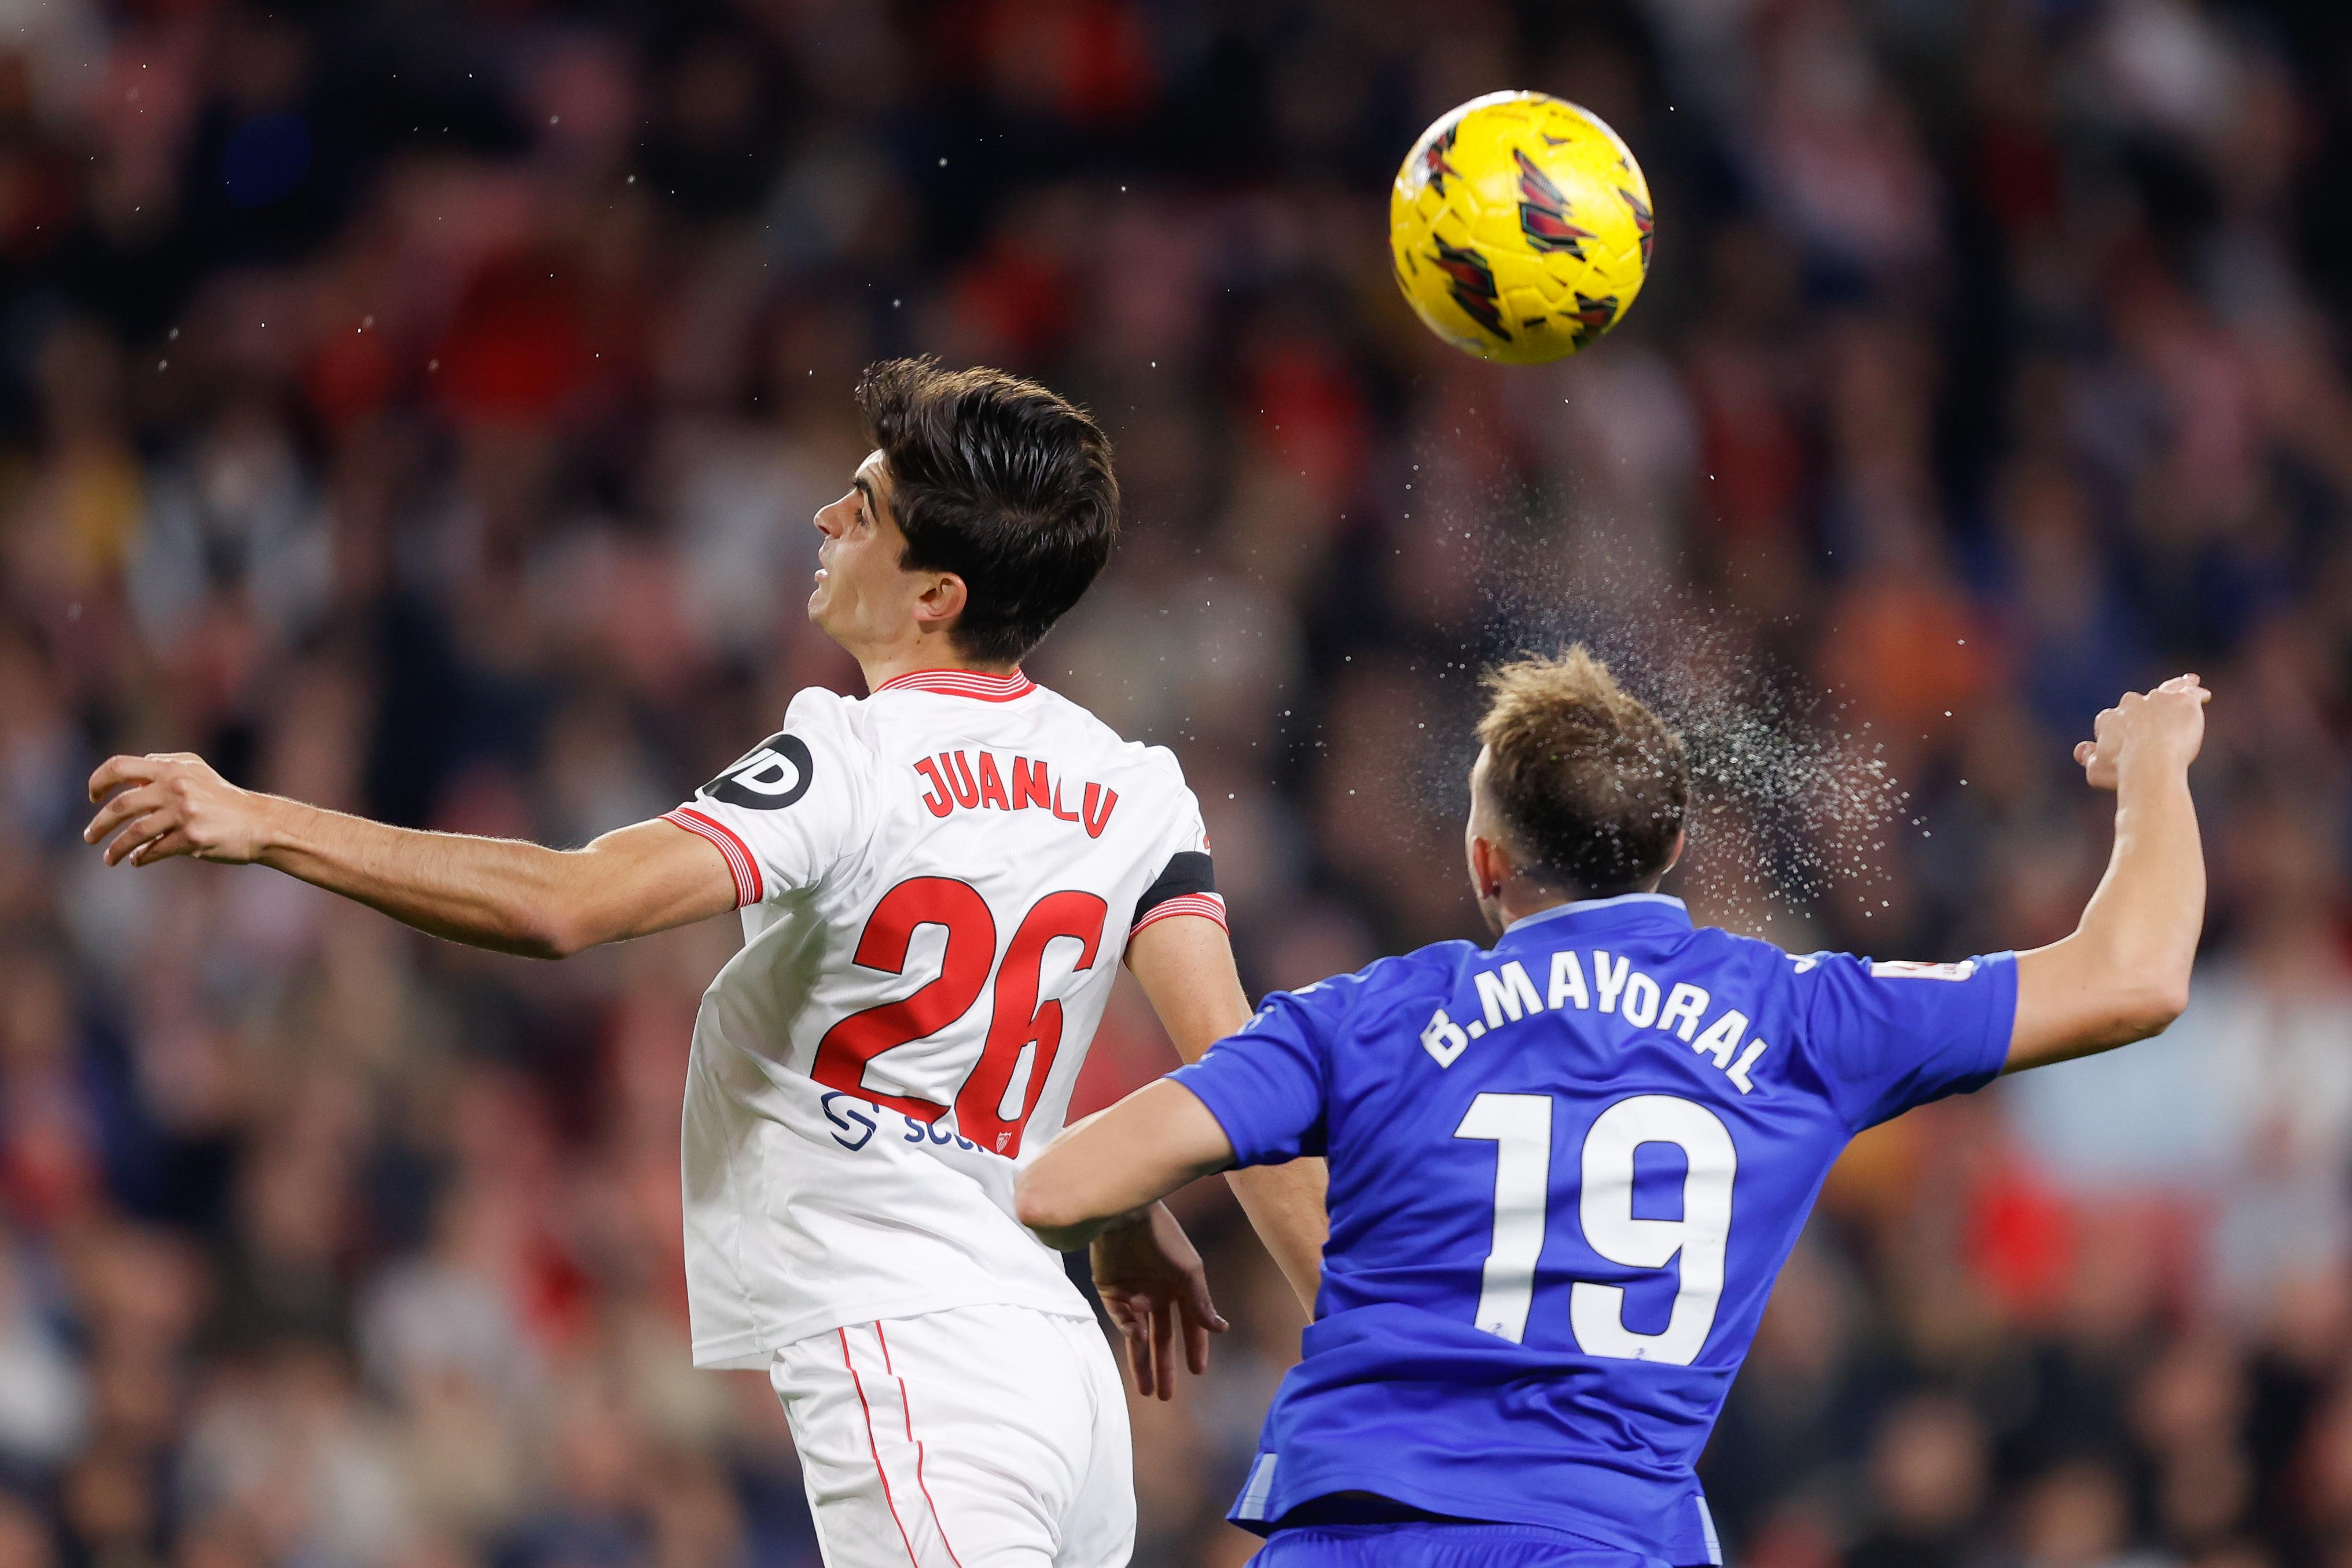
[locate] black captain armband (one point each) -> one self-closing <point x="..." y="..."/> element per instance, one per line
<point x="1188" y="886"/>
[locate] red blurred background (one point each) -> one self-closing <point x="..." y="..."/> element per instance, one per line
<point x="417" y="409"/>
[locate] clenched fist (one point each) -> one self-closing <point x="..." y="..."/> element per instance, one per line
<point x="2166" y="725"/>
<point x="173" y="804"/>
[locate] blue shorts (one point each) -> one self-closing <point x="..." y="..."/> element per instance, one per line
<point x="1433" y="1545"/>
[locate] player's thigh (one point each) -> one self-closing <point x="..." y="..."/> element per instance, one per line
<point x="1098" y="1530"/>
<point x="956" y="1439"/>
<point x="855" y="1499"/>
<point x="1040" y="1459"/>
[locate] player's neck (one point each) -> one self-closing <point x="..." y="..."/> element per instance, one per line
<point x="1516" y="904"/>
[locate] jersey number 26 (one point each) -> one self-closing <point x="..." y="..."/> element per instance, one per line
<point x="1019" y="1021"/>
<point x="1519" y="1126"/>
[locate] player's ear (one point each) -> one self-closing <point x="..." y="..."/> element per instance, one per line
<point x="1675" y="855"/>
<point x="940" y="601"/>
<point x="1490" y="866"/>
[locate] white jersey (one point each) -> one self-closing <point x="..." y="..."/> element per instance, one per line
<point x="938" y="883"/>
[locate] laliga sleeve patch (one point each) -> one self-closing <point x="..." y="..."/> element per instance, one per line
<point x="1906" y="970"/>
<point x="771" y="776"/>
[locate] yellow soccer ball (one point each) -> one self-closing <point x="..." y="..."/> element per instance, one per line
<point x="1520" y="227"/>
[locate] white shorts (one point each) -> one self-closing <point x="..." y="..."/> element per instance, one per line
<point x="973" y="1437"/>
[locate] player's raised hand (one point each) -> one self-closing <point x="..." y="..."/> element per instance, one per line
<point x="1151" y="1280"/>
<point x="172" y="803"/>
<point x="2167" y="725"/>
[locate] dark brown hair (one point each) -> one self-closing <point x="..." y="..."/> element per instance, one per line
<point x="1590" y="785"/>
<point x="999" y="481"/>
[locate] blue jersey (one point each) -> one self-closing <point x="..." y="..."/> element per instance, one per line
<point x="1565" y="1171"/>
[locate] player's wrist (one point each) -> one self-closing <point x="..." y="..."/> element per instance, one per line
<point x="276" y="827"/>
<point x="2152" y="764"/>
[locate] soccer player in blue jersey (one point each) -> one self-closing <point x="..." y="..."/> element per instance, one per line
<point x="1565" y="1169"/>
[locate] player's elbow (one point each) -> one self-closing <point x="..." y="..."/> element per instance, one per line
<point x="570" y="901"/>
<point x="549" y="946"/>
<point x="2140" y="1007"/>
<point x="2074" y="1001"/>
<point x="1045" y="1205"/>
<point x="2154" y="1005"/>
<point x="1037" y="1204"/>
<point x="552" y="933"/>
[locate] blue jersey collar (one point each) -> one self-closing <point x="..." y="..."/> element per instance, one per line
<point x="1627" y="911"/>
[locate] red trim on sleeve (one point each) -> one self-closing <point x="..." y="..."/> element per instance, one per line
<point x="749" y="886"/>
<point x="1207" y="905"/>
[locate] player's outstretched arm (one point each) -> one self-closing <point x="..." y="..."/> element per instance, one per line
<point x="1109" y="1169"/>
<point x="2124" y="973"/>
<point x="499" y="894"/>
<point x="1186" y="968"/>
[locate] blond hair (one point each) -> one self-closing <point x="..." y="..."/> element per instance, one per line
<point x="1590" y="785"/>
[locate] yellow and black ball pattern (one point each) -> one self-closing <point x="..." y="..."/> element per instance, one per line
<point x="1520" y="227"/>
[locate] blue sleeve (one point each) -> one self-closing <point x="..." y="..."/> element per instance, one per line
<point x="1264" y="1084"/>
<point x="1887" y="1036"/>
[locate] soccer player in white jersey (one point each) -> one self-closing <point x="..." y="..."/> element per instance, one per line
<point x="938" y="883"/>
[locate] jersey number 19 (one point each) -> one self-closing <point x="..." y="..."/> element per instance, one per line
<point x="1519" y="1126"/>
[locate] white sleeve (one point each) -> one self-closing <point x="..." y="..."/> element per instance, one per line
<point x="786" y="812"/>
<point x="1184" y="878"/>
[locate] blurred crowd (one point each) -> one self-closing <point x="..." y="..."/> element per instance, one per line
<point x="417" y="409"/>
